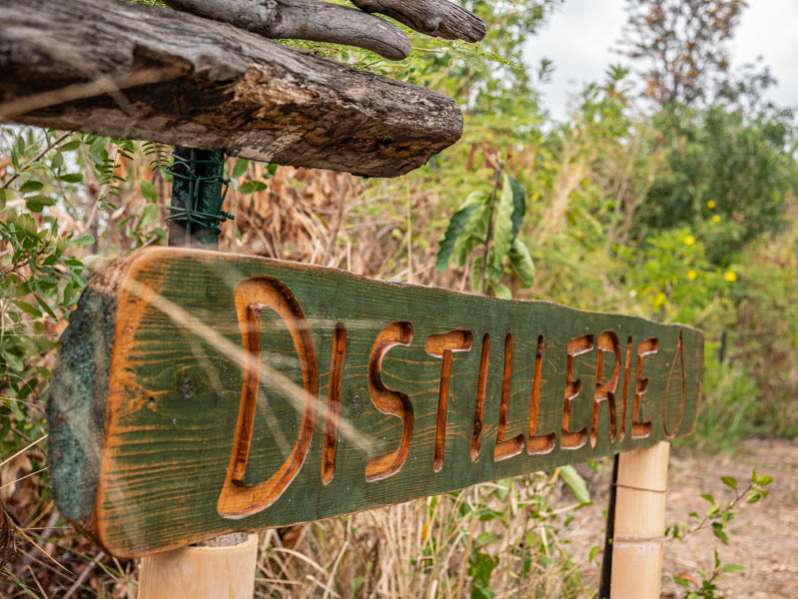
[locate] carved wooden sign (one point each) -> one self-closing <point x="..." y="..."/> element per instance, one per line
<point x="200" y="393"/>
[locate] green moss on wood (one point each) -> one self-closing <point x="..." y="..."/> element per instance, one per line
<point x="76" y="409"/>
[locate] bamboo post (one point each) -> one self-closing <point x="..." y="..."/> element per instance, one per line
<point x="208" y="572"/>
<point x="637" y="548"/>
<point x="225" y="566"/>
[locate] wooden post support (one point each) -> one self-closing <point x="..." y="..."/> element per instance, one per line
<point x="208" y="572"/>
<point x="640" y="523"/>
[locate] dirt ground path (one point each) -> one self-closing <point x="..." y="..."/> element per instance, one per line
<point x="764" y="537"/>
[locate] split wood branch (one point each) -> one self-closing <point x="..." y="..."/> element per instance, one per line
<point x="440" y="18"/>
<point x="320" y="21"/>
<point x="304" y="19"/>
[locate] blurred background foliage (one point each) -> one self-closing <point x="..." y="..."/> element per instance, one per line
<point x="680" y="208"/>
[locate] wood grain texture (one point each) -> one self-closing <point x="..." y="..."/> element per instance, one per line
<point x="126" y="70"/>
<point x="175" y="372"/>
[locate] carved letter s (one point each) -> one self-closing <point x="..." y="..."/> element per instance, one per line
<point x="388" y="401"/>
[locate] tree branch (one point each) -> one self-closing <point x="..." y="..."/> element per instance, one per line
<point x="304" y="19"/>
<point x="440" y="18"/>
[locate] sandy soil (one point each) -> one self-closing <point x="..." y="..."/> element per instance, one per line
<point x="764" y="537"/>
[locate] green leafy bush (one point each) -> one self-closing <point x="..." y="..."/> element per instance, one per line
<point x="726" y="165"/>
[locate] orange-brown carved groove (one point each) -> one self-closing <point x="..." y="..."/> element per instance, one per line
<point x="627" y="377"/>
<point x="507" y="448"/>
<point x="238" y="500"/>
<point x="538" y="444"/>
<point x="607" y="343"/>
<point x="576" y="347"/>
<point x="482" y="390"/>
<point x="678" y="353"/>
<point x="333" y="403"/>
<point x="443" y="346"/>
<point x="389" y="402"/>
<point x="647" y="347"/>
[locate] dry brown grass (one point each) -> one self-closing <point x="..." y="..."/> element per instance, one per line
<point x="431" y="547"/>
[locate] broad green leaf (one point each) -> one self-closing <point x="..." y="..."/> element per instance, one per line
<point x="37" y="203"/>
<point x="69" y="295"/>
<point x="148" y="191"/>
<point x="466" y="243"/>
<point x="30" y="186"/>
<point x="252" y="187"/>
<point x="522" y="262"/>
<point x="502" y="226"/>
<point x="98" y="149"/>
<point x="70" y="146"/>
<point x="574" y="481"/>
<point x="729" y="481"/>
<point x="732" y="568"/>
<point x="28" y="309"/>
<point x="519" y="205"/>
<point x="71" y="178"/>
<point x="240" y="167"/>
<point x="763" y="480"/>
<point x="502" y="291"/>
<point x="453" y="232"/>
<point x="43" y="305"/>
<point x="83" y="240"/>
<point x="720" y="533"/>
<point x="16" y="363"/>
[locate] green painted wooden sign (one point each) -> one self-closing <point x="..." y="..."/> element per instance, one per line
<point x="199" y="393"/>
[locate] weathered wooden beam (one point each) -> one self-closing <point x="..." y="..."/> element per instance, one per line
<point x="126" y="70"/>
<point x="200" y="393"/>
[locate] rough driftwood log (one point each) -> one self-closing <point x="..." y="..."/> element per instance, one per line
<point x="129" y="71"/>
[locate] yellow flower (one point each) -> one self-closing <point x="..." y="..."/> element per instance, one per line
<point x="692" y="275"/>
<point x="659" y="300"/>
<point x="711" y="204"/>
<point x="689" y="240"/>
<point x="716" y="218"/>
<point x="730" y="276"/>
